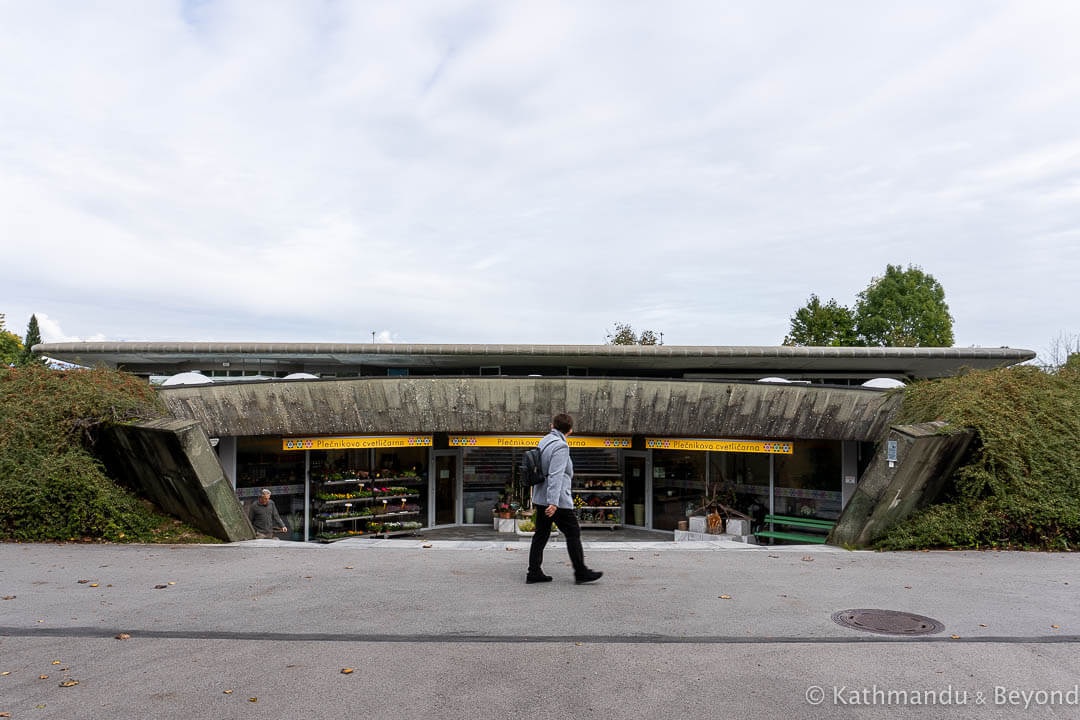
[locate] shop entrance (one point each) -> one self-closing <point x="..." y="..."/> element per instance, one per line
<point x="635" y="472"/>
<point x="447" y="479"/>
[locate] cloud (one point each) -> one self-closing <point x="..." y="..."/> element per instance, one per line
<point x="533" y="172"/>
<point x="51" y="332"/>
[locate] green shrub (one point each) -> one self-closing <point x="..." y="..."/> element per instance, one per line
<point x="51" y="485"/>
<point x="1020" y="485"/>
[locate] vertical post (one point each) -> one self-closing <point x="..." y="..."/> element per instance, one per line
<point x="307" y="495"/>
<point x="459" y="487"/>
<point x="849" y="471"/>
<point x="226" y="449"/>
<point x="772" y="486"/>
<point x="648" y="489"/>
<point x="708" y="475"/>
<point x="433" y="479"/>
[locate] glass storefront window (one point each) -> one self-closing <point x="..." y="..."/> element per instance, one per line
<point x="741" y="481"/>
<point x="347" y="485"/>
<point x="678" y="486"/>
<point x="597" y="487"/>
<point x="809" y="482"/>
<point x="261" y="463"/>
<point x="489" y="474"/>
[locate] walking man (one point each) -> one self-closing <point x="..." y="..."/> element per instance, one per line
<point x="554" y="503"/>
<point x="264" y="517"/>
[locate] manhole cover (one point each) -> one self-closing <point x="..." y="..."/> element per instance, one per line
<point x="887" y="622"/>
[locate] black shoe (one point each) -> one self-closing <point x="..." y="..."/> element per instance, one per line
<point x="588" y="576"/>
<point x="535" y="578"/>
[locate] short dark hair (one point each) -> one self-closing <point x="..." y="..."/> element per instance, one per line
<point x="563" y="423"/>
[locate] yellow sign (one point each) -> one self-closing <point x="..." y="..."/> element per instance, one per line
<point x="773" y="447"/>
<point x="355" y="442"/>
<point x="530" y="441"/>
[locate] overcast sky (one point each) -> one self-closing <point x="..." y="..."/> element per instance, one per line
<point x="533" y="172"/>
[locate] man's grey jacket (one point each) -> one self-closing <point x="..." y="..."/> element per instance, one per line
<point x="264" y="518"/>
<point x="559" y="468"/>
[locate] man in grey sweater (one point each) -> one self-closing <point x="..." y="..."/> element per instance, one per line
<point x="554" y="503"/>
<point x="264" y="517"/>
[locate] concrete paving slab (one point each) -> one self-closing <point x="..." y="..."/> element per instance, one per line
<point x="454" y="632"/>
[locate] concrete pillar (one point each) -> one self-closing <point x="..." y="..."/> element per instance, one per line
<point x="849" y="471"/>
<point x="226" y="450"/>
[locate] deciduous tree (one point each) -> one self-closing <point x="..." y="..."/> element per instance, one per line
<point x="10" y="345"/>
<point x="624" y="334"/>
<point x="904" y="308"/>
<point x="822" y="325"/>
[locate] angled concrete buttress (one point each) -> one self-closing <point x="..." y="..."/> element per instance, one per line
<point x="927" y="455"/>
<point x="172" y="463"/>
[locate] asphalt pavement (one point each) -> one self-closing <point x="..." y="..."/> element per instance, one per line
<point x="264" y="629"/>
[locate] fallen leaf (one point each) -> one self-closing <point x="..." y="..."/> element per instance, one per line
<point x="43" y="677"/>
<point x="1055" y="627"/>
<point x="123" y="636"/>
<point x="69" y="683"/>
<point x="83" y="582"/>
<point x="982" y="624"/>
<point x="307" y="577"/>
<point x="907" y="587"/>
<point x="5" y="714"/>
<point x="172" y="583"/>
<point x="227" y="692"/>
<point x="348" y="567"/>
<point x="55" y="662"/>
<point x="955" y="637"/>
<point x="578" y="644"/>
<point x="93" y="584"/>
<point x="63" y="669"/>
<point x="346" y="671"/>
<point x="9" y="597"/>
<point x="253" y="699"/>
<point x="6" y="672"/>
<point x="725" y="597"/>
<point x="160" y="587"/>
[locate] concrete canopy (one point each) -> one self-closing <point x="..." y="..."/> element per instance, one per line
<point x="615" y="406"/>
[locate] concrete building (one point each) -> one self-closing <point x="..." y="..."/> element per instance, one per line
<point x="392" y="438"/>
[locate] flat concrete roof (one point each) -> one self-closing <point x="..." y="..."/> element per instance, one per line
<point x="169" y="357"/>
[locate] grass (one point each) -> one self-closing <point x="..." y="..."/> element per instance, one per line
<point x="52" y="488"/>
<point x="1019" y="488"/>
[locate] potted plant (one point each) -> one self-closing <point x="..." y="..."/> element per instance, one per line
<point x="527" y="528"/>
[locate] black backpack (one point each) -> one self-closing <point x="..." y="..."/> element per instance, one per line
<point x="532" y="470"/>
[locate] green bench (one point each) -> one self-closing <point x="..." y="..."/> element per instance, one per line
<point x="799" y="523"/>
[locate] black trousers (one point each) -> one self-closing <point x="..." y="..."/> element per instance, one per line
<point x="567" y="521"/>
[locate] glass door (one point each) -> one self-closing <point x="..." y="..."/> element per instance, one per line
<point x="634" y="473"/>
<point x="446" y="487"/>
